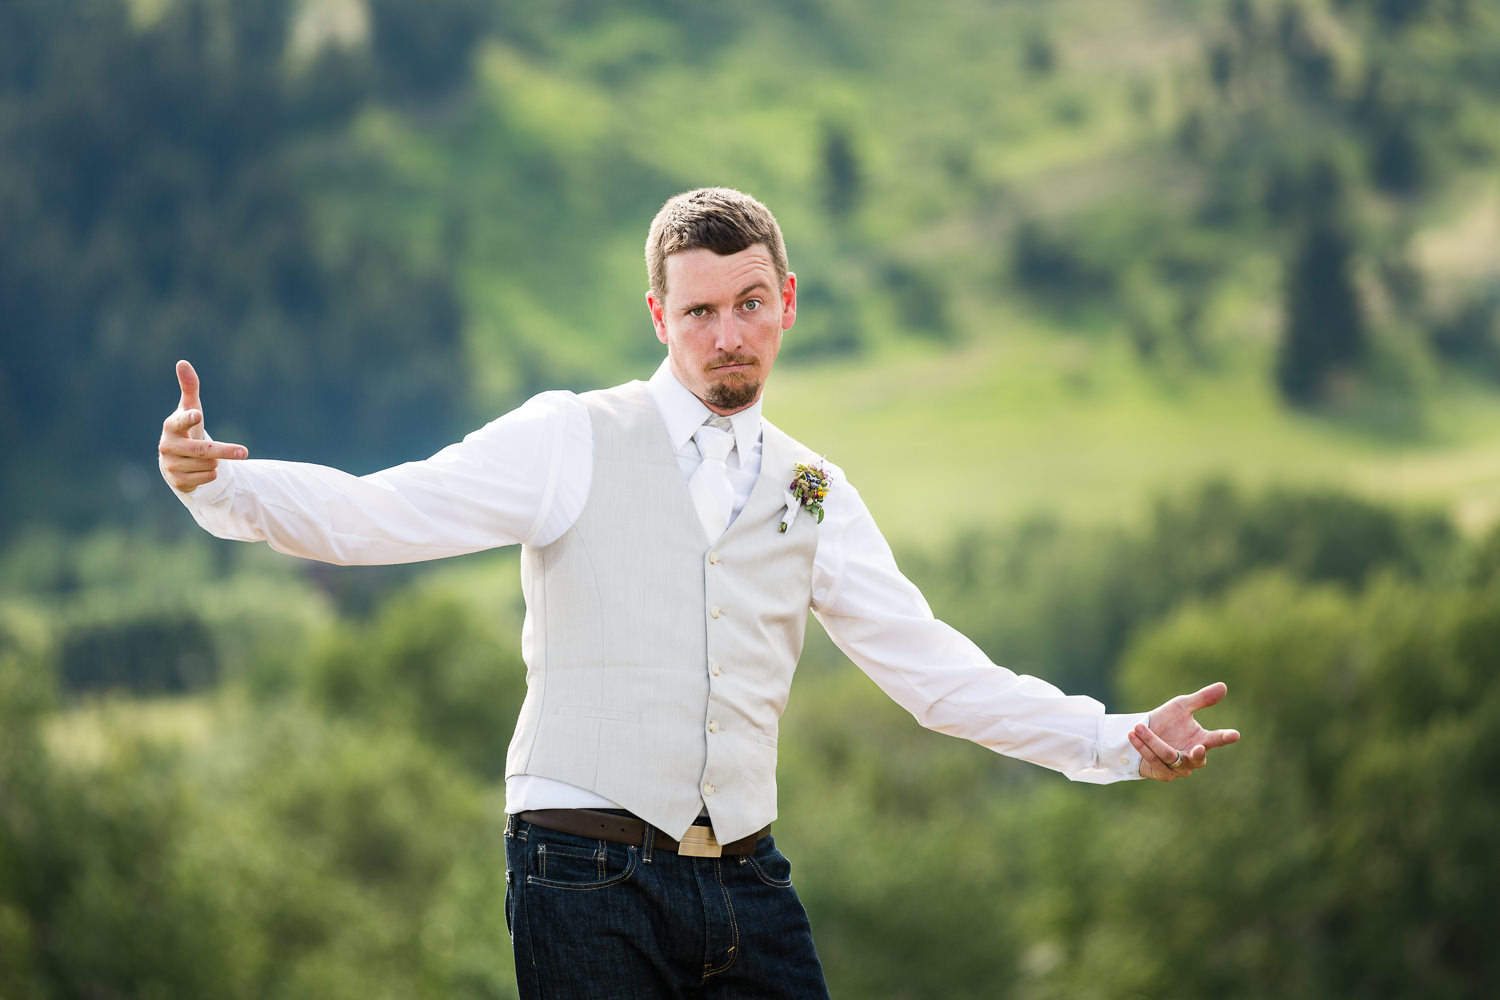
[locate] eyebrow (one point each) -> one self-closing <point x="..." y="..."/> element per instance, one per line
<point x="758" y="284"/>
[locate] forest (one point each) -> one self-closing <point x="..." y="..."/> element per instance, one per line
<point x="1162" y="337"/>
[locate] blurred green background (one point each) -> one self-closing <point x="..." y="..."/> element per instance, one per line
<point x="1163" y="339"/>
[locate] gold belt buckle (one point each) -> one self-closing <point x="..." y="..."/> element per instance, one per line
<point x="699" y="842"/>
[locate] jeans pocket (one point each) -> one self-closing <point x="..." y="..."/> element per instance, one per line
<point x="577" y="866"/>
<point x="772" y="868"/>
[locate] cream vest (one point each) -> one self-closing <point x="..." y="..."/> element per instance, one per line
<point x="657" y="666"/>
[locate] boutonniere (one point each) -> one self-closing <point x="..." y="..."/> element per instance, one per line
<point x="808" y="489"/>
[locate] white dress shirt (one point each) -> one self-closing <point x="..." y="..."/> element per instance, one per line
<point x="524" y="477"/>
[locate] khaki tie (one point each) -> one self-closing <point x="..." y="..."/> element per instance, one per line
<point x="712" y="493"/>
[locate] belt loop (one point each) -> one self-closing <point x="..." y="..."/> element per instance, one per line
<point x="510" y="825"/>
<point x="647" y="843"/>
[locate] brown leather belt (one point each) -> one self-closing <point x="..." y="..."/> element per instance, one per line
<point x="698" y="842"/>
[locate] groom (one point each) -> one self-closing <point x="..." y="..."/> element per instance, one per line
<point x="668" y="567"/>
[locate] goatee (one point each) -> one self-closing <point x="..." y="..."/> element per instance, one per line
<point x="733" y="394"/>
<point x="733" y="390"/>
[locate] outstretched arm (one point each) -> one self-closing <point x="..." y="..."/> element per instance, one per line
<point x="521" y="478"/>
<point x="1171" y="742"/>
<point x="879" y="619"/>
<point x="881" y="622"/>
<point x="189" y="458"/>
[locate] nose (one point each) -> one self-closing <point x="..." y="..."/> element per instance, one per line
<point x="727" y="334"/>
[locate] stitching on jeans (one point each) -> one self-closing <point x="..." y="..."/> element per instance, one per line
<point x="522" y="914"/>
<point x="590" y="886"/>
<point x="734" y="927"/>
<point x="766" y="878"/>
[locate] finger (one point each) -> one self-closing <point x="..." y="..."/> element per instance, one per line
<point x="189" y="483"/>
<point x="199" y="448"/>
<point x="179" y="465"/>
<point x="183" y="422"/>
<point x="187" y="381"/>
<point x="1204" y="697"/>
<point x="1221" y="738"/>
<point x="1159" y="767"/>
<point x="1150" y="767"/>
<point x="1164" y="751"/>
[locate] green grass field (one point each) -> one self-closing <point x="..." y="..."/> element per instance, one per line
<point x="937" y="442"/>
<point x="94" y="732"/>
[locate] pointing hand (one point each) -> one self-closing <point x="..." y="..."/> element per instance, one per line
<point x="1172" y="744"/>
<point x="189" y="457"/>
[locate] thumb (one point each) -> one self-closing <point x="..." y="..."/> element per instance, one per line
<point x="187" y="381"/>
<point x="1205" y="697"/>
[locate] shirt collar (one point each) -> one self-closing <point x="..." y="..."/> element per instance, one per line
<point x="684" y="413"/>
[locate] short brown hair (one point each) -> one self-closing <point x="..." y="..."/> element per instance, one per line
<point x="723" y="220"/>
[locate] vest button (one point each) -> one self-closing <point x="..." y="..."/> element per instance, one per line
<point x="713" y="726"/>
<point x="713" y="558"/>
<point x="714" y="611"/>
<point x="708" y="788"/>
<point x="715" y="669"/>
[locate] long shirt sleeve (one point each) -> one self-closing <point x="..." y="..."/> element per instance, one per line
<point x="879" y="619"/>
<point x="521" y="478"/>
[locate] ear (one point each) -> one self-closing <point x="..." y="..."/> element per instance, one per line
<point x="655" y="307"/>
<point x="789" y="301"/>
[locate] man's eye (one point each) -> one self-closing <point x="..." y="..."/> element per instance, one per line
<point x="699" y="311"/>
<point x="751" y="305"/>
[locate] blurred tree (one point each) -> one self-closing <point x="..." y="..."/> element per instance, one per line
<point x="1484" y="560"/>
<point x="154" y="171"/>
<point x="1050" y="262"/>
<point x="1351" y="859"/>
<point x="1302" y="92"/>
<point x="921" y="304"/>
<point x="841" y="172"/>
<point x="87" y="896"/>
<point x="1470" y="334"/>
<point x="432" y="666"/>
<point x="1039" y="54"/>
<point x="1400" y="13"/>
<point x="1063" y="601"/>
<point x="288" y="855"/>
<point x="1324" y="333"/>
<point x="150" y="653"/>
<point x="1306" y="50"/>
<point x="1398" y="159"/>
<point x="422" y="50"/>
<point x="1221" y="66"/>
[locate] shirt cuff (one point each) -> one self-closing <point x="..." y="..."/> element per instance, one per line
<point x="1116" y="759"/>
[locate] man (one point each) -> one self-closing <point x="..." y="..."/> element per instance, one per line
<point x="673" y="542"/>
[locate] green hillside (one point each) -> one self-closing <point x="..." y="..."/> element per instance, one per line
<point x="1161" y="336"/>
<point x="402" y="224"/>
<point x="1042" y="256"/>
<point x="1030" y="425"/>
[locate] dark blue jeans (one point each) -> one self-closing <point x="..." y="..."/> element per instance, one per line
<point x="592" y="920"/>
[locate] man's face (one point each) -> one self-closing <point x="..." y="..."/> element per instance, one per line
<point x="722" y="320"/>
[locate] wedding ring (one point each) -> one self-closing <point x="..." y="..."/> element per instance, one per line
<point x="1180" y="761"/>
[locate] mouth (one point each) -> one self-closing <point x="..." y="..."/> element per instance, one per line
<point x="734" y="365"/>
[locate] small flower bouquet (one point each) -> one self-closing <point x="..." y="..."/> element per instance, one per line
<point x="808" y="489"/>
